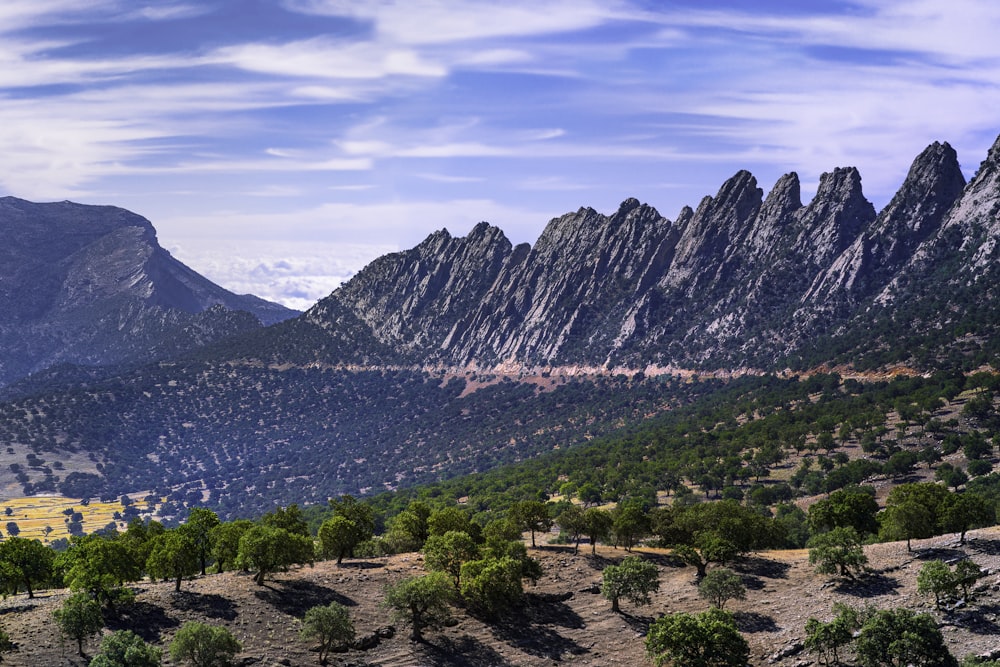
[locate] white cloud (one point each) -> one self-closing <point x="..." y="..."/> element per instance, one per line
<point x="442" y="21"/>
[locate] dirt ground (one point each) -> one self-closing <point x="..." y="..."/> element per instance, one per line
<point x="564" y="620"/>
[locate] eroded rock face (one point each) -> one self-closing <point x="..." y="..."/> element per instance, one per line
<point x="91" y="285"/>
<point x="743" y="279"/>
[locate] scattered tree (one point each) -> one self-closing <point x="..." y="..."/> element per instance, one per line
<point x="204" y="645"/>
<point x="531" y="515"/>
<point x="900" y="637"/>
<point x="199" y="526"/>
<point x="330" y="625"/>
<point x="634" y="579"/>
<point x="827" y="639"/>
<point x="492" y="585"/>
<point x="838" y="552"/>
<point x="447" y="553"/>
<point x="597" y="526"/>
<point x="421" y="601"/>
<point x="124" y="648"/>
<point x="78" y="618"/>
<point x="30" y="561"/>
<point x="721" y="585"/>
<point x="936" y="578"/>
<point x="268" y="550"/>
<point x="709" y="639"/>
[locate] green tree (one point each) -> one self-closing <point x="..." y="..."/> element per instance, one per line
<point x="99" y="566"/>
<point x="362" y="521"/>
<point x="709" y="548"/>
<point x="31" y="562"/>
<point x="709" y="639"/>
<point x="530" y="515"/>
<point x="422" y="601"/>
<point x="289" y="518"/>
<point x="268" y="550"/>
<point x="78" y="618"/>
<point x="448" y="518"/>
<point x="961" y="512"/>
<point x="124" y="648"/>
<point x="204" y="645"/>
<point x="937" y="579"/>
<point x="492" y="585"/>
<point x="966" y="574"/>
<point x="447" y="553"/>
<point x="911" y="512"/>
<point x="852" y="506"/>
<point x="721" y="585"/>
<point x="226" y="541"/>
<point x="838" y="552"/>
<point x="826" y="640"/>
<point x="572" y="523"/>
<point x="199" y="526"/>
<point x="634" y="579"/>
<point x="597" y="526"/>
<point x="331" y="626"/>
<point x="631" y="524"/>
<point x="900" y="637"/>
<point x="174" y="556"/>
<point x="338" y="536"/>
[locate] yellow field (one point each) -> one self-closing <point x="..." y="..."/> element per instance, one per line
<point x="33" y="514"/>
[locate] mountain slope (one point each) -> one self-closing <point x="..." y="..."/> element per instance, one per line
<point x="91" y="285"/>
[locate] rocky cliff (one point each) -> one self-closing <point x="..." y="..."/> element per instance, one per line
<point x="742" y="280"/>
<point x="90" y="285"/>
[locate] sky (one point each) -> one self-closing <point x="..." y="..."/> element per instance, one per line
<point x="279" y="145"/>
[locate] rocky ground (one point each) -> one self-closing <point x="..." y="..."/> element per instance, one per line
<point x="565" y="620"/>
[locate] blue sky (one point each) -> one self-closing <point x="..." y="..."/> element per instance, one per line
<point x="279" y="145"/>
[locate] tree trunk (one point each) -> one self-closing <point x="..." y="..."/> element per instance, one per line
<point x="614" y="605"/>
<point x="27" y="585"/>
<point x="177" y="583"/>
<point x="259" y="578"/>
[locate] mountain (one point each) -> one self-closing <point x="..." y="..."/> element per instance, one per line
<point x="742" y="281"/>
<point x="465" y="353"/>
<point x="90" y="285"/>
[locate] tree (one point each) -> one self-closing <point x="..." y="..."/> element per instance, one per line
<point x="338" y="536"/>
<point x="330" y="625"/>
<point x="204" y="645"/>
<point x="936" y="578"/>
<point x="837" y="552"/>
<point x="448" y="518"/>
<point x="962" y="511"/>
<point x="826" y="639"/>
<point x="78" y="618"/>
<point x="631" y="524"/>
<point x="530" y="515"/>
<point x="571" y="521"/>
<point x="492" y="585"/>
<point x="597" y="526"/>
<point x="99" y="566"/>
<point x="288" y="518"/>
<point x="447" y="553"/>
<point x="226" y="541"/>
<point x="268" y="550"/>
<point x="634" y="579"/>
<point x="124" y="648"/>
<point x="30" y="560"/>
<point x="966" y="573"/>
<point x="852" y="506"/>
<point x="911" y="512"/>
<point x="900" y="637"/>
<point x="709" y="548"/>
<point x="353" y="522"/>
<point x="199" y="526"/>
<point x="174" y="556"/>
<point x="721" y="585"/>
<point x="709" y="639"/>
<point x="421" y="601"/>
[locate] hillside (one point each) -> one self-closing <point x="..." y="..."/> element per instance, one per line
<point x="564" y="619"/>
<point x="90" y="285"/>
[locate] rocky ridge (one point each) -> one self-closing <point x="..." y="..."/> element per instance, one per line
<point x="741" y="281"/>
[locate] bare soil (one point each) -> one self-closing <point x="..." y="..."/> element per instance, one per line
<point x="564" y="618"/>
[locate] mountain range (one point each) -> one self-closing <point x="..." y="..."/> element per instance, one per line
<point x="467" y="352"/>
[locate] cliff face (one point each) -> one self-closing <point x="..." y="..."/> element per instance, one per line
<point x="91" y="285"/>
<point x="741" y="280"/>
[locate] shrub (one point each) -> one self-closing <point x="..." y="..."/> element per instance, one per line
<point x="204" y="645"/>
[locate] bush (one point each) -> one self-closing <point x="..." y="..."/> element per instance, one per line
<point x="710" y="639"/>
<point x="124" y="648"/>
<point x="79" y="618"/>
<point x="204" y="645"/>
<point x="492" y="585"/>
<point x="421" y="601"/>
<point x="900" y="637"/>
